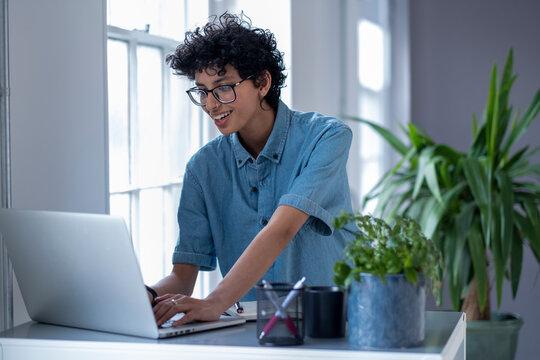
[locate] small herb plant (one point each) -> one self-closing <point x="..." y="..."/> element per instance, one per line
<point x="380" y="249"/>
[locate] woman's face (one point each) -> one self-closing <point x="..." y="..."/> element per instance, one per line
<point x="239" y="114"/>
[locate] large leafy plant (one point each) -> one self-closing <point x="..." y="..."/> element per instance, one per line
<point x="380" y="249"/>
<point x="479" y="207"/>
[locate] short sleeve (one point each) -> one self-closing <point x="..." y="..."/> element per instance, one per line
<point x="195" y="245"/>
<point x="321" y="187"/>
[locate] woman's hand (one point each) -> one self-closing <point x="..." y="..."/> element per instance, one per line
<point x="194" y="309"/>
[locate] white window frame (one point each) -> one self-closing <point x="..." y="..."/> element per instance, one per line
<point x="392" y="99"/>
<point x="197" y="132"/>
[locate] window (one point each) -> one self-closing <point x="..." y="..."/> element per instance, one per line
<point x="374" y="36"/>
<point x="371" y="61"/>
<point x="153" y="127"/>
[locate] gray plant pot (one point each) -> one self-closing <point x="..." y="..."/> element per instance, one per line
<point x="495" y="339"/>
<point x="386" y="315"/>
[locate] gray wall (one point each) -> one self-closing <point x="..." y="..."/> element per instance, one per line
<point x="453" y="47"/>
<point x="58" y="108"/>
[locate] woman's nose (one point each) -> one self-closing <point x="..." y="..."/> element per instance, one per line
<point x="212" y="102"/>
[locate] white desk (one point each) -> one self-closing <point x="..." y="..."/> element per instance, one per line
<point x="445" y="339"/>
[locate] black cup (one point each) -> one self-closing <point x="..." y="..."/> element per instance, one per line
<point x="325" y="311"/>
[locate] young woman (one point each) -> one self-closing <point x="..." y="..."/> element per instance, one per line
<point x="260" y="198"/>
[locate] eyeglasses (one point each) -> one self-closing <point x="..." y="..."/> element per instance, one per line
<point x="225" y="94"/>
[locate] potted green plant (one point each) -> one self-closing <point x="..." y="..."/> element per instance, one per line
<point x="384" y="269"/>
<point x="480" y="207"/>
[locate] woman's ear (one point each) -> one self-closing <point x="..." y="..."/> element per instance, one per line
<point x="264" y="83"/>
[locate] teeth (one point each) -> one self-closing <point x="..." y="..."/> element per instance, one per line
<point x="219" y="117"/>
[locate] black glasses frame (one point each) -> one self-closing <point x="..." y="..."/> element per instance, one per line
<point x="195" y="90"/>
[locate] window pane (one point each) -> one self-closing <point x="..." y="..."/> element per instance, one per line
<point x="151" y="251"/>
<point x="370" y="55"/>
<point x="196" y="14"/>
<point x="164" y="17"/>
<point x="371" y="173"/>
<point x="170" y="199"/>
<point x="149" y="127"/>
<point x="120" y="205"/>
<point x="371" y="145"/>
<point x="118" y="114"/>
<point x="178" y="131"/>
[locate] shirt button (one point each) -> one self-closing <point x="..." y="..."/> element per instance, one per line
<point x="239" y="161"/>
<point x="254" y="189"/>
<point x="250" y="160"/>
<point x="275" y="156"/>
<point x="264" y="222"/>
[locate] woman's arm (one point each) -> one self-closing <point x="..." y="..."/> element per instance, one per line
<point x="248" y="269"/>
<point x="181" y="280"/>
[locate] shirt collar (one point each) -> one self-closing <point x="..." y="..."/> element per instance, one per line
<point x="276" y="142"/>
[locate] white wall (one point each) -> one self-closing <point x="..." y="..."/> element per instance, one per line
<point x="453" y="47"/>
<point x="57" y="56"/>
<point x="316" y="60"/>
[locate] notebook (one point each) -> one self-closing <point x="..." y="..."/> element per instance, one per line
<point x="248" y="312"/>
<point x="80" y="270"/>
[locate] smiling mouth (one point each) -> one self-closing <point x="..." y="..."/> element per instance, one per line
<point x="221" y="119"/>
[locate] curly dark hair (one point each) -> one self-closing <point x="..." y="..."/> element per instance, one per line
<point x="229" y="39"/>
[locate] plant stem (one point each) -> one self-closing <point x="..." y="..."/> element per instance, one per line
<point x="471" y="304"/>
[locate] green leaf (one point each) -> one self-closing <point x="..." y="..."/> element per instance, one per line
<point x="393" y="140"/>
<point x="431" y="215"/>
<point x="529" y="187"/>
<point x="475" y="126"/>
<point x="533" y="217"/>
<point x="476" y="248"/>
<point x="422" y="134"/>
<point x="523" y="124"/>
<point x="492" y="117"/>
<point x="388" y="176"/>
<point x="516" y="262"/>
<point x="524" y="170"/>
<point x="454" y="288"/>
<point x="341" y="272"/>
<point x="385" y="196"/>
<point x="514" y="159"/>
<point x="399" y="201"/>
<point x="498" y="262"/>
<point x="528" y="228"/>
<point x="463" y="224"/>
<point x="433" y="211"/>
<point x="507" y="80"/>
<point x="424" y="161"/>
<point x="478" y="147"/>
<point x="431" y="180"/>
<point x="415" y="208"/>
<point x="416" y="139"/>
<point x="477" y="178"/>
<point x="491" y="99"/>
<point x="506" y="213"/>
<point x="449" y="154"/>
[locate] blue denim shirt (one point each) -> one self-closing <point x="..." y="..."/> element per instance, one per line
<point x="228" y="197"/>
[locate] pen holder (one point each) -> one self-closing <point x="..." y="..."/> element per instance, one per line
<point x="275" y="327"/>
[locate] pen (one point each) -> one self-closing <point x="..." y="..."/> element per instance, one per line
<point x="239" y="308"/>
<point x="281" y="312"/>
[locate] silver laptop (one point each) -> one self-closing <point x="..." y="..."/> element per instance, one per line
<point x="80" y="270"/>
